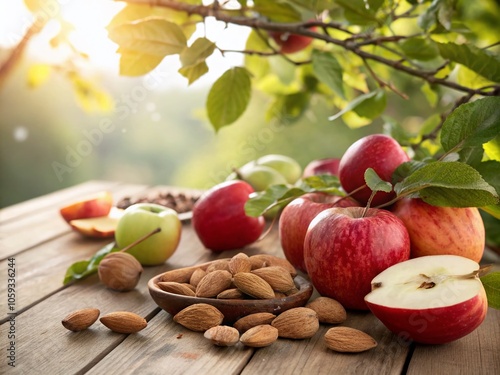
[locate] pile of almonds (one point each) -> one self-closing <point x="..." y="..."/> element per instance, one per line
<point x="259" y="276"/>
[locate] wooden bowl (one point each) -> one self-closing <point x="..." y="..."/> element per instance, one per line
<point x="232" y="309"/>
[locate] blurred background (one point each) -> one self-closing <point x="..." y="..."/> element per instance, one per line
<point x="66" y="116"/>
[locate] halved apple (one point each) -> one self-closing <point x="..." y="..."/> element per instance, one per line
<point x="93" y="206"/>
<point x="98" y="227"/>
<point x="432" y="299"/>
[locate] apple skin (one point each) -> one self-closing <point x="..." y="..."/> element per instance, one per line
<point x="291" y="43"/>
<point x="377" y="151"/>
<point x="260" y="177"/>
<point x="288" y="167"/>
<point x="343" y="251"/>
<point x="322" y="166"/>
<point x="142" y="218"/>
<point x="297" y="216"/>
<point x="92" y="206"/>
<point x="219" y="217"/>
<point x="442" y="230"/>
<point x="446" y="311"/>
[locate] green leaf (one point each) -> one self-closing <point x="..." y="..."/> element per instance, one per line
<point x="228" y="97"/>
<point x="480" y="61"/>
<point x="258" y="66"/>
<point x="452" y="184"/>
<point x="490" y="171"/>
<point x="288" y="108"/>
<point x="328" y="70"/>
<point x="358" y="102"/>
<point x="492" y="148"/>
<point x="360" y="12"/>
<point x="418" y="48"/>
<point x="375" y="183"/>
<point x="471" y="125"/>
<point x="278" y="11"/>
<point x="193" y="59"/>
<point x="491" y="283"/>
<point x="372" y="107"/>
<point x="440" y="11"/>
<point x="84" y="268"/>
<point x="193" y="72"/>
<point x="135" y="64"/>
<point x="151" y="36"/>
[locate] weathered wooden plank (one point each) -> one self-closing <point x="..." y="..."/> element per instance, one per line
<point x="56" y="198"/>
<point x="44" y="225"/>
<point x="476" y="353"/>
<point x="312" y="356"/>
<point x="170" y="348"/>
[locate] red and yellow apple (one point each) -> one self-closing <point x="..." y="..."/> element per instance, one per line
<point x="98" y="227"/>
<point x="377" y="151"/>
<point x="219" y="217"/>
<point x="92" y="206"/>
<point x="442" y="230"/>
<point x="432" y="299"/>
<point x="297" y="216"/>
<point x="345" y="248"/>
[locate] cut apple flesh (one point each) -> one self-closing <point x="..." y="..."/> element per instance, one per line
<point x="103" y="226"/>
<point x="432" y="299"/>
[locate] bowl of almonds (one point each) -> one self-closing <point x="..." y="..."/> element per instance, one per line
<point x="237" y="286"/>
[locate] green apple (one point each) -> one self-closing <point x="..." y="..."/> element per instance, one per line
<point x="260" y="177"/>
<point x="142" y="218"/>
<point x="285" y="165"/>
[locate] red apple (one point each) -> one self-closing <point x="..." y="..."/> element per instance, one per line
<point x="322" y="166"/>
<point x="92" y="206"/>
<point x="442" y="230"/>
<point x="377" y="151"/>
<point x="431" y="299"/>
<point x="297" y="216"/>
<point x="344" y="251"/>
<point x="289" y="42"/>
<point x="219" y="217"/>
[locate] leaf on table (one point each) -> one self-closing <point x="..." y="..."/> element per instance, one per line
<point x="448" y="184"/>
<point x="84" y="268"/>
<point x="491" y="283"/>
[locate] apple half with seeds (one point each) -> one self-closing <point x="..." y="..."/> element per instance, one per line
<point x="432" y="299"/>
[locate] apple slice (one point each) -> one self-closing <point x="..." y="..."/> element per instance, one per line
<point x="98" y="227"/>
<point x="92" y="206"/>
<point x="432" y="299"/>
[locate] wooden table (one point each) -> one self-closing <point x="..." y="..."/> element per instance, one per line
<point x="39" y="246"/>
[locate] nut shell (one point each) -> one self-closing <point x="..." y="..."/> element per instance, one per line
<point x="297" y="323"/>
<point x="222" y="335"/>
<point x="348" y="340"/>
<point x="329" y="310"/>
<point x="80" y="320"/>
<point x="120" y="271"/>
<point x="124" y="322"/>
<point x="259" y="336"/>
<point x="199" y="317"/>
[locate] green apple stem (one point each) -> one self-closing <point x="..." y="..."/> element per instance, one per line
<point x="367" y="207"/>
<point x="139" y="240"/>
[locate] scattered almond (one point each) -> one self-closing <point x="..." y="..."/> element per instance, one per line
<point x="196" y="277"/>
<point x="213" y="283"/>
<point x="124" y="322"/>
<point x="259" y="336"/>
<point x="253" y="285"/>
<point x="177" y="288"/>
<point x="233" y="293"/>
<point x="348" y="340"/>
<point x="199" y="317"/>
<point x="80" y="319"/>
<point x="223" y="335"/>
<point x="329" y="310"/>
<point x="276" y="276"/>
<point x="252" y="320"/>
<point x="297" y="323"/>
<point x="240" y="263"/>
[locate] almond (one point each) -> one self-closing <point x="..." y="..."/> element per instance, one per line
<point x="259" y="336"/>
<point x="253" y="285"/>
<point x="240" y="263"/>
<point x="270" y="260"/>
<point x="348" y="340"/>
<point x="252" y="320"/>
<point x="213" y="283"/>
<point x="180" y="275"/>
<point x="175" y="287"/>
<point x="199" y="317"/>
<point x="196" y="277"/>
<point x="219" y="264"/>
<point x="232" y="293"/>
<point x="124" y="322"/>
<point x="329" y="310"/>
<point x="80" y="319"/>
<point x="222" y="335"/>
<point x="276" y="276"/>
<point x="297" y="323"/>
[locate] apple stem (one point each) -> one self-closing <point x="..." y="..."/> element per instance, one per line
<point x="367" y="207"/>
<point x="143" y="238"/>
<point x="238" y="174"/>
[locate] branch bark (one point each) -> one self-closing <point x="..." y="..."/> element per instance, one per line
<point x="302" y="28"/>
